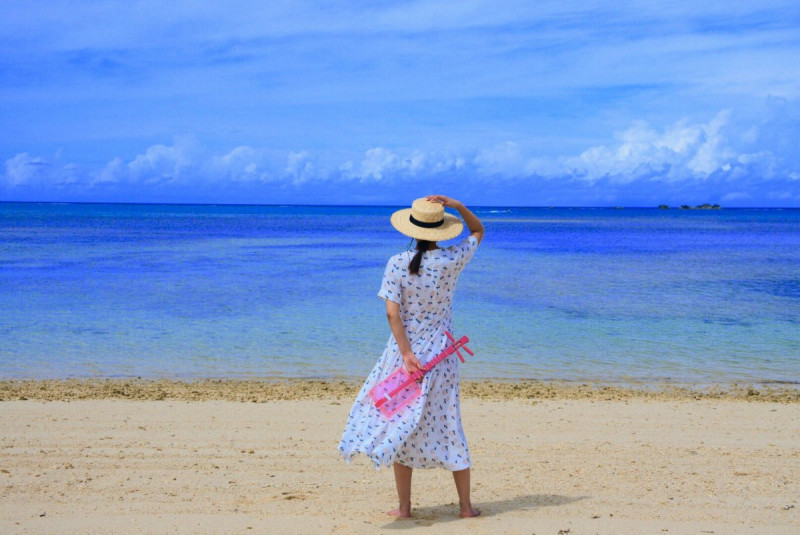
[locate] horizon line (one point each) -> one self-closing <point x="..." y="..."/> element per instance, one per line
<point x="324" y="205"/>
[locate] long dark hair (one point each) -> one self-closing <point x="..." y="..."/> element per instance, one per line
<point x="414" y="265"/>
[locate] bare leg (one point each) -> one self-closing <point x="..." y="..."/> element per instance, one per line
<point x="402" y="477"/>
<point x="461" y="478"/>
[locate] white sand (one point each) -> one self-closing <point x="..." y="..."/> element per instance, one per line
<point x="590" y="467"/>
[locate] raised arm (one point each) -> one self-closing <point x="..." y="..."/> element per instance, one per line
<point x="471" y="220"/>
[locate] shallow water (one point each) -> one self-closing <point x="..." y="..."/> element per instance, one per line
<point x="252" y="291"/>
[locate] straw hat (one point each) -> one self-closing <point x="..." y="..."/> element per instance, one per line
<point x="426" y="220"/>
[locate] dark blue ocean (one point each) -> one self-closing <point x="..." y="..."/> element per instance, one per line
<point x="178" y="291"/>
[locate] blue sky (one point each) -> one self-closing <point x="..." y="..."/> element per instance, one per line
<point x="572" y="103"/>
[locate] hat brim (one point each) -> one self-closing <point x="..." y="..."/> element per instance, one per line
<point x="451" y="227"/>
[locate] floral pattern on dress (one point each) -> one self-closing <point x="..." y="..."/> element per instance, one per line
<point x="428" y="433"/>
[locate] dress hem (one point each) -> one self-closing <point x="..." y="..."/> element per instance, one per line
<point x="378" y="464"/>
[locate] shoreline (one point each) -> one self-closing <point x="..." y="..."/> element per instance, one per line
<point x="264" y="390"/>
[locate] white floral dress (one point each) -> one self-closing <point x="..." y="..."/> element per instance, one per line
<point x="427" y="433"/>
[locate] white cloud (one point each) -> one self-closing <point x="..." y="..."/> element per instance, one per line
<point x="727" y="158"/>
<point x="381" y="164"/>
<point x="682" y="151"/>
<point x="26" y="171"/>
<point x="23" y="169"/>
<point x="185" y="162"/>
<point x="162" y="164"/>
<point x="300" y="167"/>
<point x="712" y="152"/>
<point x="112" y="173"/>
<point x="378" y="163"/>
<point x="242" y="164"/>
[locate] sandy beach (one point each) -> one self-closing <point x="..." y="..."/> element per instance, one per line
<point x="254" y="457"/>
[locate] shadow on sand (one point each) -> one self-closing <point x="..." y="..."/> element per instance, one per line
<point x="429" y="516"/>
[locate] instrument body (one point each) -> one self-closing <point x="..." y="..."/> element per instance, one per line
<point x="400" y="388"/>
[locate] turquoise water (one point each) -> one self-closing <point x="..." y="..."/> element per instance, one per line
<point x="91" y="290"/>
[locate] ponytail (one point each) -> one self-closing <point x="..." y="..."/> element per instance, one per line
<point x="414" y="265"/>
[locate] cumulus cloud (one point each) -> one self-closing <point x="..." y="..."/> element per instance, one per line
<point x="159" y="164"/>
<point x="682" y="151"/>
<point x="163" y="164"/>
<point x="23" y="169"/>
<point x="379" y="164"/>
<point x="301" y="167"/>
<point x="185" y="163"/>
<point x="242" y="164"/>
<point x="112" y="173"/>
<point x="26" y="171"/>
<point x="723" y="159"/>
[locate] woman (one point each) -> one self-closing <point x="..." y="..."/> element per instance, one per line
<point x="418" y="289"/>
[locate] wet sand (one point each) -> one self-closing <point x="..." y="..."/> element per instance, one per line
<point x="124" y="456"/>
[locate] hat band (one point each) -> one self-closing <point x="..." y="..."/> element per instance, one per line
<point x="423" y="224"/>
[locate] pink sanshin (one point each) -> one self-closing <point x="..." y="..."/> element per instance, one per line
<point x="401" y="388"/>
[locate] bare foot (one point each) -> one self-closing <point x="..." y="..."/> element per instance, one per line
<point x="470" y="513"/>
<point x="398" y="513"/>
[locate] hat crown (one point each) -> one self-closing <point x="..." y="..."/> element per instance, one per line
<point x="427" y="211"/>
<point x="426" y="220"/>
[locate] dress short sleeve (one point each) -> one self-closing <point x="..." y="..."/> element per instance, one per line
<point x="465" y="250"/>
<point x="391" y="289"/>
